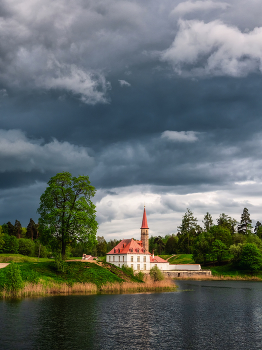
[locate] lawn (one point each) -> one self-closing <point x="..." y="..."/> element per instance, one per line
<point x="21" y="258"/>
<point x="182" y="259"/>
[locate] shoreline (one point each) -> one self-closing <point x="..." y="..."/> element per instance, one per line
<point x="43" y="289"/>
<point x="219" y="278"/>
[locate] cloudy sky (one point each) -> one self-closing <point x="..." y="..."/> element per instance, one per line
<point x="159" y="102"/>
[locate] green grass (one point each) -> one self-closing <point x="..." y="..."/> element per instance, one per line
<point x="230" y="270"/>
<point x="182" y="259"/>
<point x="20" y="258"/>
<point x="165" y="256"/>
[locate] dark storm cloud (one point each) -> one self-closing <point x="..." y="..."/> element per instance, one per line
<point x="159" y="95"/>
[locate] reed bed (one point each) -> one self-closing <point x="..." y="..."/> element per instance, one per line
<point x="43" y="289"/>
<point x="219" y="278"/>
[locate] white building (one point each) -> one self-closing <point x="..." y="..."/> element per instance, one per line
<point x="135" y="254"/>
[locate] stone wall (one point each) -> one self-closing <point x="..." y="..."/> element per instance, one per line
<point x="181" y="273"/>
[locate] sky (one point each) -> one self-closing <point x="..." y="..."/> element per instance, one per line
<point x="158" y="102"/>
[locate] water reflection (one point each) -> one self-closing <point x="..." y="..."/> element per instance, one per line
<point x="204" y="315"/>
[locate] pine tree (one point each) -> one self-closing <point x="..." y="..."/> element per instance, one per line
<point x="208" y="222"/>
<point x="245" y="224"/>
<point x="32" y="230"/>
<point x="188" y="229"/>
<point x="18" y="229"/>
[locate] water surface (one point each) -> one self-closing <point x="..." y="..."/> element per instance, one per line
<point x="223" y="315"/>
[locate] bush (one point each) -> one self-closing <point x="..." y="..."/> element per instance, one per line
<point x="26" y="246"/>
<point x="251" y="257"/>
<point x="11" y="244"/>
<point x="140" y="276"/>
<point x="128" y="270"/>
<point x="43" y="250"/>
<point x="13" y="279"/>
<point x="156" y="274"/>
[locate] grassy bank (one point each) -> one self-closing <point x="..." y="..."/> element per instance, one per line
<point x="43" y="278"/>
<point x="179" y="259"/>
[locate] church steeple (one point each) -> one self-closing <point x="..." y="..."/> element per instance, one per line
<point x="144" y="232"/>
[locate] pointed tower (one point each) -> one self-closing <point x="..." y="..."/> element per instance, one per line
<point x="144" y="232"/>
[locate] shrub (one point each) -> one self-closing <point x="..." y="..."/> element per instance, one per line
<point x="40" y="248"/>
<point x="11" y="244"/>
<point x="128" y="270"/>
<point x="13" y="278"/>
<point x="156" y="274"/>
<point x="140" y="275"/>
<point x="250" y="258"/>
<point x="26" y="246"/>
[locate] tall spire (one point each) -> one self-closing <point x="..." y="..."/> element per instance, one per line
<point x="144" y="221"/>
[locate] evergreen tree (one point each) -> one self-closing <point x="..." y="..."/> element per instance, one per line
<point x="11" y="229"/>
<point x="258" y="229"/>
<point x="32" y="230"/>
<point x="208" y="222"/>
<point x="227" y="222"/>
<point x="187" y="231"/>
<point x="245" y="224"/>
<point x="18" y="229"/>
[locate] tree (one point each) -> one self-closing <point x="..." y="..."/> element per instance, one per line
<point x="32" y="230"/>
<point x="160" y="244"/>
<point x="227" y="222"/>
<point x="67" y="214"/>
<point x="18" y="229"/>
<point x="208" y="222"/>
<point x="172" y="245"/>
<point x="11" y="229"/>
<point x="250" y="258"/>
<point x="101" y="246"/>
<point x="219" y="249"/>
<point x="188" y="230"/>
<point x="258" y="229"/>
<point x="245" y="224"/>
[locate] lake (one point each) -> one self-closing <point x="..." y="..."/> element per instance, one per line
<point x="202" y="315"/>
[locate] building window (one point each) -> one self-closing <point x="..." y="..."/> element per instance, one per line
<point x="119" y="265"/>
<point x="109" y="258"/>
<point x="138" y="267"/>
<point x="132" y="258"/>
<point x="113" y="258"/>
<point x="138" y="259"/>
<point x="144" y="258"/>
<point x="144" y="266"/>
<point x="123" y="258"/>
<point x="119" y="258"/>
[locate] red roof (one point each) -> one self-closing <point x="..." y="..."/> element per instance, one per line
<point x="157" y="259"/>
<point x="128" y="246"/>
<point x="144" y="221"/>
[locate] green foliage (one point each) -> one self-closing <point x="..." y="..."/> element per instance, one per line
<point x="40" y="250"/>
<point x="236" y="250"/>
<point x="245" y="224"/>
<point x="221" y="233"/>
<point x="2" y="242"/>
<point x="252" y="238"/>
<point x="11" y="244"/>
<point x="101" y="246"/>
<point x="156" y="274"/>
<point x="160" y="244"/>
<point x="188" y="230"/>
<point x="128" y="270"/>
<point x="250" y="258"/>
<point x="32" y="230"/>
<point x="208" y="222"/>
<point x="172" y="245"/>
<point x="67" y="214"/>
<point x="26" y="246"/>
<point x="13" y="279"/>
<point x="218" y="250"/>
<point x="140" y="276"/>
<point x="227" y="222"/>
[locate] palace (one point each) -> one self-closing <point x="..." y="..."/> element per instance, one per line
<point x="136" y="254"/>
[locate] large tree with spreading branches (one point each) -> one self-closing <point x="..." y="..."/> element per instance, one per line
<point x="67" y="214"/>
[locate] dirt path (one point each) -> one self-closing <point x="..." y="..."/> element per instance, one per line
<point x="171" y="257"/>
<point x="2" y="265"/>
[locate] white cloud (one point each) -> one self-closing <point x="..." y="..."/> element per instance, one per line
<point x="214" y="48"/>
<point x="180" y="136"/>
<point x="190" y="6"/>
<point x="124" y="83"/>
<point x="91" y="87"/>
<point x="17" y="152"/>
